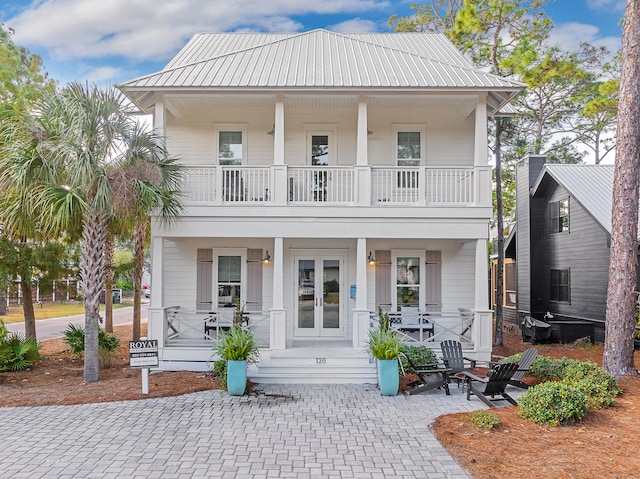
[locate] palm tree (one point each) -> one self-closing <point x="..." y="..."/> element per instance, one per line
<point x="89" y="146"/>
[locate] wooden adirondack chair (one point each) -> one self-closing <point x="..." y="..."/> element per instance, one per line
<point x="486" y="388"/>
<point x="454" y="360"/>
<point x="430" y="377"/>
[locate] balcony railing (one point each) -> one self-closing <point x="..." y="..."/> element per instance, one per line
<point x="362" y="186"/>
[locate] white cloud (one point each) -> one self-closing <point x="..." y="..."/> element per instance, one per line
<point x="568" y="36"/>
<point x="355" y="25"/>
<point x="104" y="74"/>
<point x="153" y="30"/>
<point x="606" y="4"/>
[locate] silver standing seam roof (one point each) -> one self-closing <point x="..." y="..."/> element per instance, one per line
<point x="589" y="185"/>
<point x="321" y="60"/>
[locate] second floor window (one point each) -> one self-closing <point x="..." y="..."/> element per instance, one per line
<point x="559" y="216"/>
<point x="230" y="147"/>
<point x="409" y="151"/>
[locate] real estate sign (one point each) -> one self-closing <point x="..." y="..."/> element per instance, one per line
<point x="143" y="353"/>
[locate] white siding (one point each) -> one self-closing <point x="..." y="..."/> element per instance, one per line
<point x="458" y="276"/>
<point x="295" y="136"/>
<point x="449" y="139"/>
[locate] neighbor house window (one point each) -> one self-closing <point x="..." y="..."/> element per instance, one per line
<point x="509" y="283"/>
<point x="229" y="280"/>
<point x="559" y="216"/>
<point x="559" y="285"/>
<point x="409" y="145"/>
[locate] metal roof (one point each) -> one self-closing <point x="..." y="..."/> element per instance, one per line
<point x="322" y="59"/>
<point x="590" y="185"/>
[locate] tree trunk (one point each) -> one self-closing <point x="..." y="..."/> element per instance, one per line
<point x="138" y="257"/>
<point x="108" y="282"/>
<point x="92" y="274"/>
<point x="27" y="308"/>
<point x="620" y="320"/>
<point x="497" y="339"/>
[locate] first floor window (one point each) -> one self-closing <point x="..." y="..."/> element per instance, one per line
<point x="407" y="281"/>
<point x="229" y="280"/>
<point x="559" y="285"/>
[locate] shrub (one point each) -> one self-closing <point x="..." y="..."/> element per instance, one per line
<point x="483" y="419"/>
<point x="547" y="369"/>
<point x="553" y="403"/>
<point x="16" y="352"/>
<point x="220" y="372"/>
<point x="107" y="344"/>
<point x="418" y="354"/>
<point x="599" y="386"/>
<point x="511" y="359"/>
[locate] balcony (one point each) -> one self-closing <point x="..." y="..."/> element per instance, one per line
<point x="282" y="185"/>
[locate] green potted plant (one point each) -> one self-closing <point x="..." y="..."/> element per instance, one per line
<point x="237" y="347"/>
<point x="386" y="347"/>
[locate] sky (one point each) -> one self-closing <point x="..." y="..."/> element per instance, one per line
<point x="111" y="41"/>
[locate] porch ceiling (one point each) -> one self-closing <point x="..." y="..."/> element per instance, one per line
<point x="183" y="104"/>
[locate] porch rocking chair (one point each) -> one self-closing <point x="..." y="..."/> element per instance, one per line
<point x="486" y="388"/>
<point x="430" y="377"/>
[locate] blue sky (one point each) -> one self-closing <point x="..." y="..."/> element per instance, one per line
<point x="117" y="40"/>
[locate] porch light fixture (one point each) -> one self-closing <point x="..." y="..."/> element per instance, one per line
<point x="369" y="133"/>
<point x="266" y="258"/>
<point x="272" y="131"/>
<point x="371" y="259"/>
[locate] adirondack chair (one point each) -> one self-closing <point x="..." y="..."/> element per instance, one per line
<point x="430" y="377"/>
<point x="523" y="366"/>
<point x="454" y="360"/>
<point x="486" y="388"/>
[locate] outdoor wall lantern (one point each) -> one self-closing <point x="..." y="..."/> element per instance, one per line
<point x="266" y="258"/>
<point x="371" y="259"/>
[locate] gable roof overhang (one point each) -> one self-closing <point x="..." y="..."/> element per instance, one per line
<point x="317" y="62"/>
<point x="590" y="185"/>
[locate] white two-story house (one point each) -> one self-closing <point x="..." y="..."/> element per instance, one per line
<point x="326" y="175"/>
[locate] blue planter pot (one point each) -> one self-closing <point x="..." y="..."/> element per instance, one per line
<point x="236" y="377"/>
<point x="388" y="377"/>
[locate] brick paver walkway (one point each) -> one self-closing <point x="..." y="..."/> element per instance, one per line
<point x="280" y="431"/>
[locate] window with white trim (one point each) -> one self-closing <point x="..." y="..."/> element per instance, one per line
<point x="231" y="144"/>
<point x="229" y="280"/>
<point x="409" y="144"/>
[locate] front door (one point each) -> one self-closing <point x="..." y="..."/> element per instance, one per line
<point x="319" y="297"/>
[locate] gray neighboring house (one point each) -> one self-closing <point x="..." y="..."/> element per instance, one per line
<point x="563" y="217"/>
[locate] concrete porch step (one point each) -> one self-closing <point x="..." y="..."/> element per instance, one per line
<point x="314" y="365"/>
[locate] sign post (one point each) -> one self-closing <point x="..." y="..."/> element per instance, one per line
<point x="142" y="354"/>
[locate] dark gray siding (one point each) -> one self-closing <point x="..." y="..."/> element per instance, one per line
<point x="584" y="250"/>
<point x="527" y="172"/>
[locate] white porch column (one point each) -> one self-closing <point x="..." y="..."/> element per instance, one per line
<point x="277" y="314"/>
<point x="362" y="176"/>
<point x="159" y="118"/>
<point x="360" y="312"/>
<point x="279" y="169"/>
<point x="156" y="326"/>
<point x="480" y="157"/>
<point x="278" y="132"/>
<point x="482" y="333"/>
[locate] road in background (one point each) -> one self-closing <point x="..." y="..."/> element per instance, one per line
<point x="54" y="327"/>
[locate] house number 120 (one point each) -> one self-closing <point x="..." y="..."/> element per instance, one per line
<point x="321" y="360"/>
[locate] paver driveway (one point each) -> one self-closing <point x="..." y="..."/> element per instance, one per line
<point x="281" y="431"/>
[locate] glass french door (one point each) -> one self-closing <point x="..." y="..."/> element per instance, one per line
<point x="319" y="297"/>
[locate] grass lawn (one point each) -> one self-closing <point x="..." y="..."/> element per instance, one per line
<point x="52" y="310"/>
